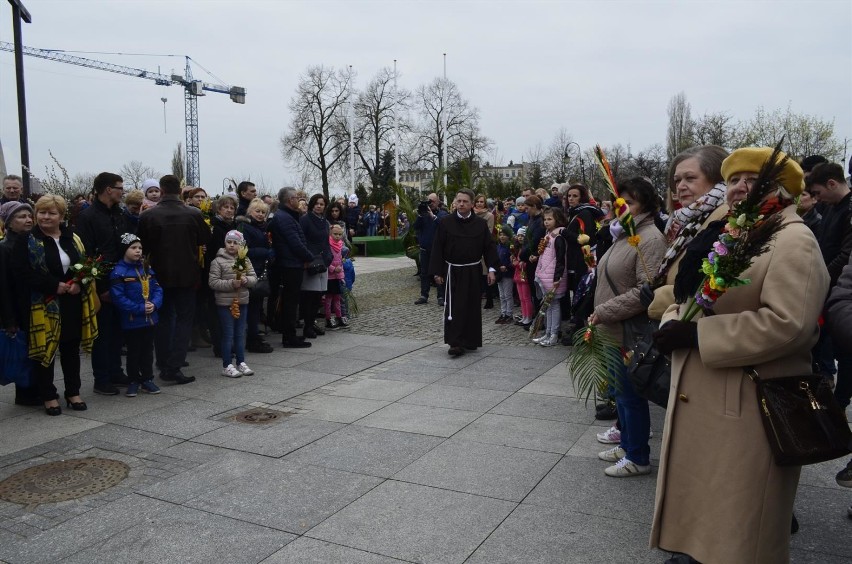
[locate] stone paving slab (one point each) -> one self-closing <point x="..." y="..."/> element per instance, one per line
<point x="186" y="419"/>
<point x="365" y="450"/>
<point x="539" y="406"/>
<point x="32" y="427"/>
<point x="180" y="534"/>
<point x="306" y="550"/>
<point x="274" y="440"/>
<point x="422" y="419"/>
<point x="320" y="405"/>
<point x="415" y="523"/>
<point x="456" y="397"/>
<point x="579" y="484"/>
<point x="373" y="388"/>
<point x="286" y="496"/>
<point x="533" y="535"/>
<point x="522" y="432"/>
<point x="481" y="469"/>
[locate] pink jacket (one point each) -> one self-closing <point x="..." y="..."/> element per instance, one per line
<point x="335" y="269"/>
<point x="546" y="267"/>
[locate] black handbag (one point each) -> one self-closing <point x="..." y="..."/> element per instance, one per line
<point x="317" y="266"/>
<point x="649" y="372"/>
<point x="262" y="289"/>
<point x="802" y="419"/>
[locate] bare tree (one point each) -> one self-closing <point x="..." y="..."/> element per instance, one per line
<point x="717" y="128"/>
<point x="555" y="167"/>
<point x="805" y="134"/>
<point x="679" y="135"/>
<point x="135" y="173"/>
<point x="445" y="116"/>
<point x="375" y="110"/>
<point x="316" y="141"/>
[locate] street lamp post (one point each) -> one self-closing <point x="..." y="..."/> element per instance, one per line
<point x="19" y="12"/>
<point x="565" y="157"/>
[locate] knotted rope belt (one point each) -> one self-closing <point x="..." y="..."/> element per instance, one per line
<point x="448" y="291"/>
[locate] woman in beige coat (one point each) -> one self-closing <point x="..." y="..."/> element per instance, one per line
<point x="620" y="274"/>
<point x="695" y="177"/>
<point x="720" y="496"/>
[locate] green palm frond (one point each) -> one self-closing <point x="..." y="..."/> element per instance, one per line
<point x="596" y="356"/>
<point x="351" y="302"/>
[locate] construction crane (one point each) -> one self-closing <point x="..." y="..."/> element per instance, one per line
<point x="192" y="90"/>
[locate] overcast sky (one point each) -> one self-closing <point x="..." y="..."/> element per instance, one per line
<point x="603" y="70"/>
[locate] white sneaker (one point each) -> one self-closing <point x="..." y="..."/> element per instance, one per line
<point x="231" y="372"/>
<point x="244" y="369"/>
<point x="549" y="341"/>
<point x="611" y="436"/>
<point x="537" y="340"/>
<point x="612" y="455"/>
<point x="626" y="469"/>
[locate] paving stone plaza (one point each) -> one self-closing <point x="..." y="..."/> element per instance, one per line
<point x="372" y="446"/>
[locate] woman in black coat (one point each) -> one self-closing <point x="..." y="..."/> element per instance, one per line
<point x="315" y="228"/>
<point x="253" y="226"/>
<point x="43" y="260"/>
<point x="17" y="220"/>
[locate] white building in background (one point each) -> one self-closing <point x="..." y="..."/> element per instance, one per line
<point x="421" y="179"/>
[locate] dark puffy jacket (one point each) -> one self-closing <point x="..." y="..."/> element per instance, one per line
<point x="13" y="310"/>
<point x="126" y="293"/>
<point x="172" y="233"/>
<point x="839" y="308"/>
<point x="218" y="229"/>
<point x="426" y="227"/>
<point x="315" y="229"/>
<point x="835" y="239"/>
<point x="288" y="239"/>
<point x="100" y="228"/>
<point x="259" y="249"/>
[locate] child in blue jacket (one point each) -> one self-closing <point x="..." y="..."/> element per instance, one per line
<point x="137" y="295"/>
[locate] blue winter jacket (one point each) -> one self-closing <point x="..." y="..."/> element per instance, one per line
<point x="288" y="239"/>
<point x="126" y="292"/>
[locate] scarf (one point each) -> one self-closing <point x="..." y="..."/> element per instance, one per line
<point x="684" y="223"/>
<point x="45" y="319"/>
<point x="336" y="246"/>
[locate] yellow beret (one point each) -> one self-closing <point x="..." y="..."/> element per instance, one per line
<point x="751" y="159"/>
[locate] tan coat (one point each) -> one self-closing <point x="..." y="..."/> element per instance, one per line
<point x="664" y="295"/>
<point x="720" y="496"/>
<point x="621" y="262"/>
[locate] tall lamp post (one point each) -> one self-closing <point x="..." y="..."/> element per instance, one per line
<point x="19" y="12"/>
<point x="566" y="158"/>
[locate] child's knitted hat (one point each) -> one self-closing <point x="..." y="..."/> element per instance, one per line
<point x="126" y="240"/>
<point x="234" y="235"/>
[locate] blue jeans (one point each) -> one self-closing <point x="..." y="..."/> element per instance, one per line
<point x="634" y="418"/>
<point x="233" y="334"/>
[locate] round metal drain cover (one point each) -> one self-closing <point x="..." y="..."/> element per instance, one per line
<point x="259" y="416"/>
<point x="63" y="480"/>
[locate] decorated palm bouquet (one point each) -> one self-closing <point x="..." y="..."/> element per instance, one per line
<point x="240" y="267"/>
<point x="90" y="269"/>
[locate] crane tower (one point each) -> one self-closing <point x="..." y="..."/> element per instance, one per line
<point x="192" y="90"/>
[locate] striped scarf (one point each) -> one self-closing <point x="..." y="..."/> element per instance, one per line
<point x="45" y="319"/>
<point x="684" y="223"/>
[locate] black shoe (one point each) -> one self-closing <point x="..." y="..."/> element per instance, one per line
<point x="421" y="300"/>
<point x="794" y="526"/>
<point x="607" y="414"/>
<point x="489" y="304"/>
<point x="681" y="559"/>
<point x="441" y="302"/>
<point x="107" y="389"/>
<point x="76" y="405"/>
<point x="176" y="377"/>
<point x="258" y="346"/>
<point x="184" y="364"/>
<point x="120" y="380"/>
<point x="53" y="411"/>
<point x="295" y="344"/>
<point x="318" y="330"/>
<point x="455" y="351"/>
<point x="309" y="334"/>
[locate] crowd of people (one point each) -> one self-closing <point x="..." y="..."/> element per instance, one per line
<point x="720" y="496"/>
<point x="194" y="272"/>
<point x="157" y="272"/>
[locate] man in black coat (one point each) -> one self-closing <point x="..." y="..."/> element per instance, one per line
<point x="100" y="227"/>
<point x="291" y="256"/>
<point x="13" y="189"/>
<point x="462" y="241"/>
<point x="246" y="192"/>
<point x="171" y="234"/>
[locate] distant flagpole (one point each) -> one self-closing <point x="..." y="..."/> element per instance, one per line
<point x="351" y="133"/>
<point x="446" y="124"/>
<point x="395" y="125"/>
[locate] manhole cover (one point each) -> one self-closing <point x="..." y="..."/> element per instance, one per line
<point x="259" y="416"/>
<point x="63" y="480"/>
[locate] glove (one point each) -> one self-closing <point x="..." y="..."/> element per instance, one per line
<point x="676" y="335"/>
<point x="646" y="295"/>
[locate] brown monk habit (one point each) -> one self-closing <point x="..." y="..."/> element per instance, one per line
<point x="462" y="242"/>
